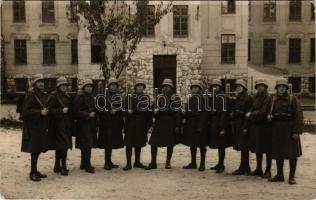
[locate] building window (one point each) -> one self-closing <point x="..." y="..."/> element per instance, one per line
<point x="228" y="49"/>
<point x="311" y="84"/>
<point x="269" y="10"/>
<point x="21" y="84"/>
<point x="312" y="12"/>
<point x="96" y="54"/>
<point x="49" y="56"/>
<point x="50" y="84"/>
<point x="312" y="51"/>
<point x="295" y="10"/>
<point x="149" y="17"/>
<point x="228" y="6"/>
<point x="296" y="84"/>
<point x="74" y="51"/>
<point x="269" y="51"/>
<point x="295" y="50"/>
<point x="48" y="11"/>
<point x="19" y="11"/>
<point x="20" y="52"/>
<point x="232" y="84"/>
<point x="249" y="49"/>
<point x="180" y="21"/>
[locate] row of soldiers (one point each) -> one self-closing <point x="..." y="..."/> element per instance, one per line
<point x="260" y="124"/>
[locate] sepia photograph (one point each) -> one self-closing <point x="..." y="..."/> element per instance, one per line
<point x="157" y="100"/>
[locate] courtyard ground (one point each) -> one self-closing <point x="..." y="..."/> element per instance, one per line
<point x="139" y="184"/>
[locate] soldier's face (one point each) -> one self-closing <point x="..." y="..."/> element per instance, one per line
<point x="166" y="89"/>
<point x="281" y="89"/>
<point x="261" y="88"/>
<point x="195" y="89"/>
<point x="88" y="89"/>
<point x="40" y="84"/>
<point x="113" y="87"/>
<point x="215" y="87"/>
<point x="63" y="88"/>
<point x="139" y="88"/>
<point x="239" y="89"/>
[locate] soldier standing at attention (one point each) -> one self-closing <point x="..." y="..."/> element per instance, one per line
<point x="240" y="106"/>
<point x="259" y="128"/>
<point x="194" y="135"/>
<point x="138" y="119"/>
<point x="111" y="124"/>
<point x="35" y="127"/>
<point x="60" y="125"/>
<point x="166" y="130"/>
<point x="218" y="123"/>
<point x="287" y="123"/>
<point x="86" y="134"/>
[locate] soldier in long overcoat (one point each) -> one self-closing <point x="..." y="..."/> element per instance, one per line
<point x="194" y="135"/>
<point x="241" y="104"/>
<point x="138" y="119"/>
<point x="166" y="130"/>
<point x="287" y="123"/>
<point x="35" y="127"/>
<point x="60" y="124"/>
<point x="259" y="128"/>
<point x="219" y="131"/>
<point x="111" y="123"/>
<point x="86" y="130"/>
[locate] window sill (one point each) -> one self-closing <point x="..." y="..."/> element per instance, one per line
<point x="48" y="24"/>
<point x="228" y="63"/>
<point x="20" y="65"/>
<point x="49" y="65"/>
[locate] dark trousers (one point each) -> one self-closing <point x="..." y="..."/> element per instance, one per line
<point x="34" y="159"/>
<point x="61" y="159"/>
<point x="85" y="157"/>
<point x="259" y="162"/>
<point x="193" y="151"/>
<point x="154" y="152"/>
<point x="129" y="151"/>
<point x="280" y="164"/>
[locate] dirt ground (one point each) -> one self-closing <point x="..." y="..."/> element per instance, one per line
<point x="139" y="184"/>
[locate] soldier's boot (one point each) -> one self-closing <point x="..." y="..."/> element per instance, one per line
<point x="293" y="163"/>
<point x="82" y="163"/>
<point x="128" y="159"/>
<point x="153" y="163"/>
<point x="89" y="167"/>
<point x="110" y="159"/>
<point x="107" y="159"/>
<point x="137" y="163"/>
<point x="279" y="177"/>
<point x="241" y="168"/>
<point x="33" y="174"/>
<point x="246" y="162"/>
<point x="192" y="164"/>
<point x="202" y="162"/>
<point x="258" y="171"/>
<point x="64" y="170"/>
<point x="221" y="157"/>
<point x="169" y="156"/>
<point x="57" y="167"/>
<point x="267" y="172"/>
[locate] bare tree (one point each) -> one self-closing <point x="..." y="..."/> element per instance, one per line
<point x="117" y="26"/>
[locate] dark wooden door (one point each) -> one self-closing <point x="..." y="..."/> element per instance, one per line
<point x="165" y="66"/>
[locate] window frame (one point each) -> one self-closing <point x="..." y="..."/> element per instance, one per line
<point x="74" y="51"/>
<point x="48" y="6"/>
<point x="19" y="11"/>
<point x="269" y="46"/>
<point x="229" y="46"/>
<point x="225" y="7"/>
<point x="267" y="4"/>
<point x="50" y="45"/>
<point x="183" y="19"/>
<point x="294" y="59"/>
<point x="295" y="5"/>
<point x="19" y="50"/>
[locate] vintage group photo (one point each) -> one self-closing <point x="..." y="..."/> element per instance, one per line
<point x="157" y="99"/>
